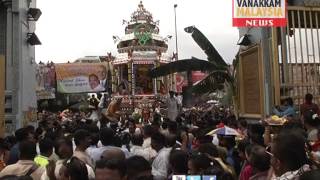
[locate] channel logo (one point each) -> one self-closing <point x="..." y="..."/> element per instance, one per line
<point x="209" y="177"/>
<point x="193" y="177"/>
<point x="178" y="177"/>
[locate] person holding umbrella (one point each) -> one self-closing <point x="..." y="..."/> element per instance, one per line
<point x="226" y="136"/>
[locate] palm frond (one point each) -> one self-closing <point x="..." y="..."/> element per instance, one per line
<point x="192" y="64"/>
<point x="214" y="81"/>
<point x="206" y="46"/>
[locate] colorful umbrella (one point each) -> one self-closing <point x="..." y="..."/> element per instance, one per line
<point x="226" y="131"/>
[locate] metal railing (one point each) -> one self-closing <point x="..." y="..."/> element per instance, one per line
<point x="297" y="48"/>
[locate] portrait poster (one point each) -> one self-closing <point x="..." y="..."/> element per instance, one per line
<point x="81" y="77"/>
<point x="46" y="81"/>
<point x="181" y="81"/>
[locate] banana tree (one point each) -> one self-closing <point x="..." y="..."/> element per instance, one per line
<point x="219" y="77"/>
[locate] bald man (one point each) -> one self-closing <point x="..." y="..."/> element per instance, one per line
<point x="113" y="153"/>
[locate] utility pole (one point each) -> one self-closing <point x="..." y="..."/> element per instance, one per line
<point x="177" y="54"/>
<point x="175" y="24"/>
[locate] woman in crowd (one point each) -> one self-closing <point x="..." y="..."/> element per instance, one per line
<point x="311" y="123"/>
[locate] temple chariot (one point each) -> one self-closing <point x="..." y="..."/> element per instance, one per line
<point x="140" y="50"/>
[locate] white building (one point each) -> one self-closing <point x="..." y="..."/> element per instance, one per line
<point x="17" y="25"/>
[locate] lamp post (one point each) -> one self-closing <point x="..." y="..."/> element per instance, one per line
<point x="175" y="25"/>
<point x="176" y="34"/>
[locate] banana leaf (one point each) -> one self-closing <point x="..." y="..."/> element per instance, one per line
<point x="214" y="81"/>
<point x="213" y="55"/>
<point x="192" y="64"/>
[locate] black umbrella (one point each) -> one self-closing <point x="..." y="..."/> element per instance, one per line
<point x="193" y="64"/>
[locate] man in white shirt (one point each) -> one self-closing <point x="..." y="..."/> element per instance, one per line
<point x="94" y="116"/>
<point x="179" y="101"/>
<point x="82" y="141"/>
<point x="132" y="128"/>
<point x="107" y="136"/>
<point x="147" y="133"/>
<point x="160" y="164"/>
<point x="138" y="150"/>
<point x="103" y="101"/>
<point x="25" y="166"/>
<point x="172" y="107"/>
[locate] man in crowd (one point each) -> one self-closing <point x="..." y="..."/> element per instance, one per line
<point x="138" y="168"/>
<point x="25" y="166"/>
<point x="82" y="141"/>
<point x="179" y="101"/>
<point x="160" y="164"/>
<point x="22" y="134"/>
<point x="64" y="149"/>
<point x="178" y="160"/>
<point x="288" y="154"/>
<point x="107" y="137"/>
<point x="113" y="153"/>
<point x="137" y="149"/>
<point x="46" y="150"/>
<point x="260" y="162"/>
<point x="288" y="109"/>
<point x="308" y="105"/>
<point x="110" y="169"/>
<point x="172" y="106"/>
<point x="147" y="133"/>
<point x="93" y="101"/>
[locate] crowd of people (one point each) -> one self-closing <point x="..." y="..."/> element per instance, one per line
<point x="69" y="146"/>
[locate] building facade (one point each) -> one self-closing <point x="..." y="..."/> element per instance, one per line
<point x="15" y="30"/>
<point x="287" y="59"/>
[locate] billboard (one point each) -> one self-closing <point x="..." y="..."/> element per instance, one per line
<point x="81" y="77"/>
<point x="46" y="81"/>
<point x="259" y="13"/>
<point x="182" y="79"/>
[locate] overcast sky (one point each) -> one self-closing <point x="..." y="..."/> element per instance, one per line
<point x="69" y="29"/>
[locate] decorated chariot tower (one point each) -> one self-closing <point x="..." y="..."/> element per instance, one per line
<point x="140" y="50"/>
